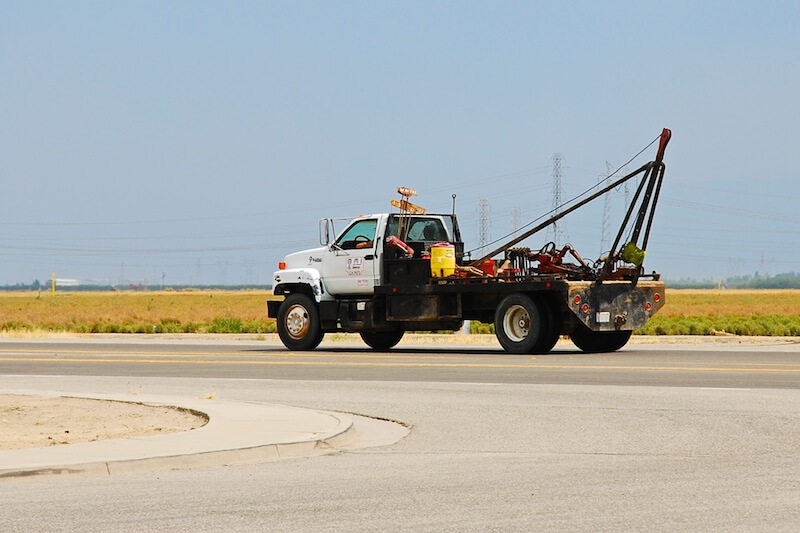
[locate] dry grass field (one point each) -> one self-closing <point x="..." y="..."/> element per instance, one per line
<point x="739" y="303"/>
<point x="733" y="312"/>
<point x="696" y="312"/>
<point x="137" y="312"/>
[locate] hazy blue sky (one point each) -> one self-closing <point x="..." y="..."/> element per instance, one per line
<point x="199" y="142"/>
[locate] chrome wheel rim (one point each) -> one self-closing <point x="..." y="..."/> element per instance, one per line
<point x="297" y="322"/>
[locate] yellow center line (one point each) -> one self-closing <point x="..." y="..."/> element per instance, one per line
<point x="531" y="362"/>
<point x="256" y="353"/>
<point x="528" y="366"/>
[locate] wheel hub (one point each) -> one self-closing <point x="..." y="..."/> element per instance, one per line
<point x="517" y="323"/>
<point x="297" y="322"/>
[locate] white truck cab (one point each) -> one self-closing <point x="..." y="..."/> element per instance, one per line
<point x="351" y="264"/>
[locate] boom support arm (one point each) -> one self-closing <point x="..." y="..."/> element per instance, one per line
<point x="654" y="173"/>
<point x="651" y="184"/>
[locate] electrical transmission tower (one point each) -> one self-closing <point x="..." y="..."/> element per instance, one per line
<point x="484" y="222"/>
<point x="559" y="229"/>
<point x="625" y="172"/>
<point x="605" y="232"/>
<point x="515" y="217"/>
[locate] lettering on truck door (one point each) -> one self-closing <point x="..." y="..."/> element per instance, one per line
<point x="350" y="265"/>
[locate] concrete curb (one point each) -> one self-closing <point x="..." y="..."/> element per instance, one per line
<point x="237" y="432"/>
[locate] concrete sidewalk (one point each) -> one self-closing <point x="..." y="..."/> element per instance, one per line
<point x="236" y="432"/>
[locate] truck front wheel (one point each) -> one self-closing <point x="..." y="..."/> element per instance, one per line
<point x="382" y="340"/>
<point x="599" y="341"/>
<point x="518" y="324"/>
<point x="298" y="323"/>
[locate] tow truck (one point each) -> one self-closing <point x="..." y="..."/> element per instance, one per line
<point x="389" y="273"/>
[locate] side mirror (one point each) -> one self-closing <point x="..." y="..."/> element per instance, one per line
<point x="325" y="230"/>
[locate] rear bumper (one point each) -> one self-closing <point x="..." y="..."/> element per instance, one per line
<point x="615" y="305"/>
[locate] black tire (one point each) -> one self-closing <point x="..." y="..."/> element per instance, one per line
<point x="298" y="323"/>
<point x="551" y="328"/>
<point x="382" y="340"/>
<point x="518" y="323"/>
<point x="599" y="341"/>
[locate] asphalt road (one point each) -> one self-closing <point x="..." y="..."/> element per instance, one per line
<point x="659" y="438"/>
<point x="763" y="365"/>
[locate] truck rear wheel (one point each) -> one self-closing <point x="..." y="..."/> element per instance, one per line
<point x="298" y="323"/>
<point x="551" y="328"/>
<point x="518" y="323"/>
<point x="599" y="341"/>
<point x="382" y="340"/>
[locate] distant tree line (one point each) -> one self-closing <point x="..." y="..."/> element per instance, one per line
<point x="36" y="285"/>
<point x="789" y="280"/>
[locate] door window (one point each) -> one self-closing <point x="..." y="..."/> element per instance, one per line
<point x="360" y="235"/>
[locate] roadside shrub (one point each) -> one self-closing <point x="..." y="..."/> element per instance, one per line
<point x="759" y="325"/>
<point x="259" y="326"/>
<point x="225" y="325"/>
<point x="480" y="328"/>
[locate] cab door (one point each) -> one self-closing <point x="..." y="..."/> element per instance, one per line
<point x="350" y="265"/>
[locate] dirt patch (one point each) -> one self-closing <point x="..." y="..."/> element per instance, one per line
<point x="36" y="421"/>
